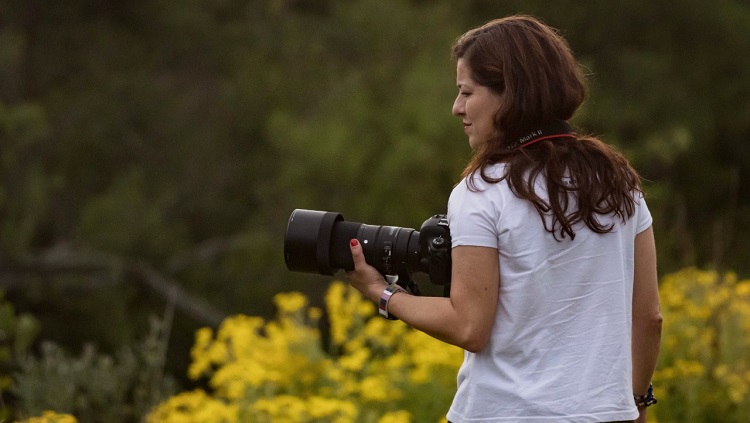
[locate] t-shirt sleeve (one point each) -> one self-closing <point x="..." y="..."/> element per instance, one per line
<point x="643" y="215"/>
<point x="473" y="217"/>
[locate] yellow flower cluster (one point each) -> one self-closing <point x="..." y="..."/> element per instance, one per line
<point x="367" y="369"/>
<point x="195" y="407"/>
<point x="704" y="367"/>
<point x="372" y="370"/>
<point x="51" y="417"/>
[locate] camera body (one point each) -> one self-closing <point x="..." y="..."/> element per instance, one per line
<point x="435" y="247"/>
<point x="318" y="242"/>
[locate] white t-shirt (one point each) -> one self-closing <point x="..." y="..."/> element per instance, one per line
<point x="560" y="345"/>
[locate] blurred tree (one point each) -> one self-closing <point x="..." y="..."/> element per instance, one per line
<point x="151" y="152"/>
<point x="179" y="137"/>
<point x="671" y="88"/>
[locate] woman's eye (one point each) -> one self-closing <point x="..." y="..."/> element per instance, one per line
<point x="464" y="93"/>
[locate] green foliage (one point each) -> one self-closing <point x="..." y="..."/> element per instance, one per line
<point x="182" y="134"/>
<point x="125" y="219"/>
<point x="96" y="387"/>
<point x="279" y="371"/>
<point x="17" y="333"/>
<point x="372" y="129"/>
<point x="26" y="185"/>
<point x="374" y="371"/>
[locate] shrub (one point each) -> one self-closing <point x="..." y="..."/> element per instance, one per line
<point x="17" y="333"/>
<point x="704" y="367"/>
<point x="94" y="387"/>
<point x="372" y="370"/>
<point x="51" y="417"/>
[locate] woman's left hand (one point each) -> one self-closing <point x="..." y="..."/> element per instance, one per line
<point x="365" y="278"/>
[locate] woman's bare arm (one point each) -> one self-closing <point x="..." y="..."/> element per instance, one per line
<point x="465" y="318"/>
<point x="647" y="318"/>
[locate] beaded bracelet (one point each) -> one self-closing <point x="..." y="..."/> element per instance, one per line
<point x="386" y="297"/>
<point x="643" y="401"/>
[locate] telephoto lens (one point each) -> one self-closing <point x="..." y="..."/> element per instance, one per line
<point x="318" y="242"/>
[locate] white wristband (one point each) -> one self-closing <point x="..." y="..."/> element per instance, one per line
<point x="386" y="297"/>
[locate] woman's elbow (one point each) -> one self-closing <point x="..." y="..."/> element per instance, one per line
<point x="475" y="340"/>
<point x="651" y="322"/>
<point x="474" y="347"/>
<point x="657" y="321"/>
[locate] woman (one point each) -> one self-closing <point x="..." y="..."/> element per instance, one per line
<point x="553" y="288"/>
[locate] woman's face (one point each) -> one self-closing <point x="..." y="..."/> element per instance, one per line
<point x="476" y="105"/>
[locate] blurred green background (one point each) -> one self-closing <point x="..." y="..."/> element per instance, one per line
<point x="152" y="151"/>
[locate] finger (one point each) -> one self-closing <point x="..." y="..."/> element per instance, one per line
<point x="357" y="255"/>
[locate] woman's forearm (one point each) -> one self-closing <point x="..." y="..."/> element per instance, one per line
<point x="646" y="346"/>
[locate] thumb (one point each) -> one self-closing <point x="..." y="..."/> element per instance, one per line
<point x="357" y="255"/>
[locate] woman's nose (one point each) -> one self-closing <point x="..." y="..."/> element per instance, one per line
<point x="458" y="107"/>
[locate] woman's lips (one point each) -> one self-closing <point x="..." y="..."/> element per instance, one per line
<point x="466" y="126"/>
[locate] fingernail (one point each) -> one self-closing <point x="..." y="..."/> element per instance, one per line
<point x="354" y="243"/>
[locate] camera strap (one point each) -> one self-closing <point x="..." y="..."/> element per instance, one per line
<point x="557" y="129"/>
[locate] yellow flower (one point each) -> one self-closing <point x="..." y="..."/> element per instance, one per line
<point x="278" y="372"/>
<point x="282" y="408"/>
<point x="201" y="363"/>
<point x="396" y="417"/>
<point x="290" y="302"/>
<point x="378" y="388"/>
<point x="314" y="313"/>
<point x="706" y="337"/>
<point x="320" y="407"/>
<point x="356" y="361"/>
<point x="340" y="321"/>
<point x="51" y="417"/>
<point x="193" y="407"/>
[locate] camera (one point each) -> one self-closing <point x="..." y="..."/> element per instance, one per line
<point x="318" y="242"/>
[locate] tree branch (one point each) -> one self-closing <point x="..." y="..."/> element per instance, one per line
<point x="62" y="260"/>
<point x="207" y="251"/>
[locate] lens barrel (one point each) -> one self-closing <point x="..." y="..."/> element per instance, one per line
<point x="318" y="242"/>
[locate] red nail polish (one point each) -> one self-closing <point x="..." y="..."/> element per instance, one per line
<point x="354" y="243"/>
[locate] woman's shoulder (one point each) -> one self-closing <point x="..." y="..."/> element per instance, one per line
<point x="482" y="183"/>
<point x="485" y="176"/>
<point x="495" y="170"/>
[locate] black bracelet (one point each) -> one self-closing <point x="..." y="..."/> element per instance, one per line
<point x="643" y="401"/>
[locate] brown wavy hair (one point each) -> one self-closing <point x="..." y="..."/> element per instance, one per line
<point x="532" y="68"/>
